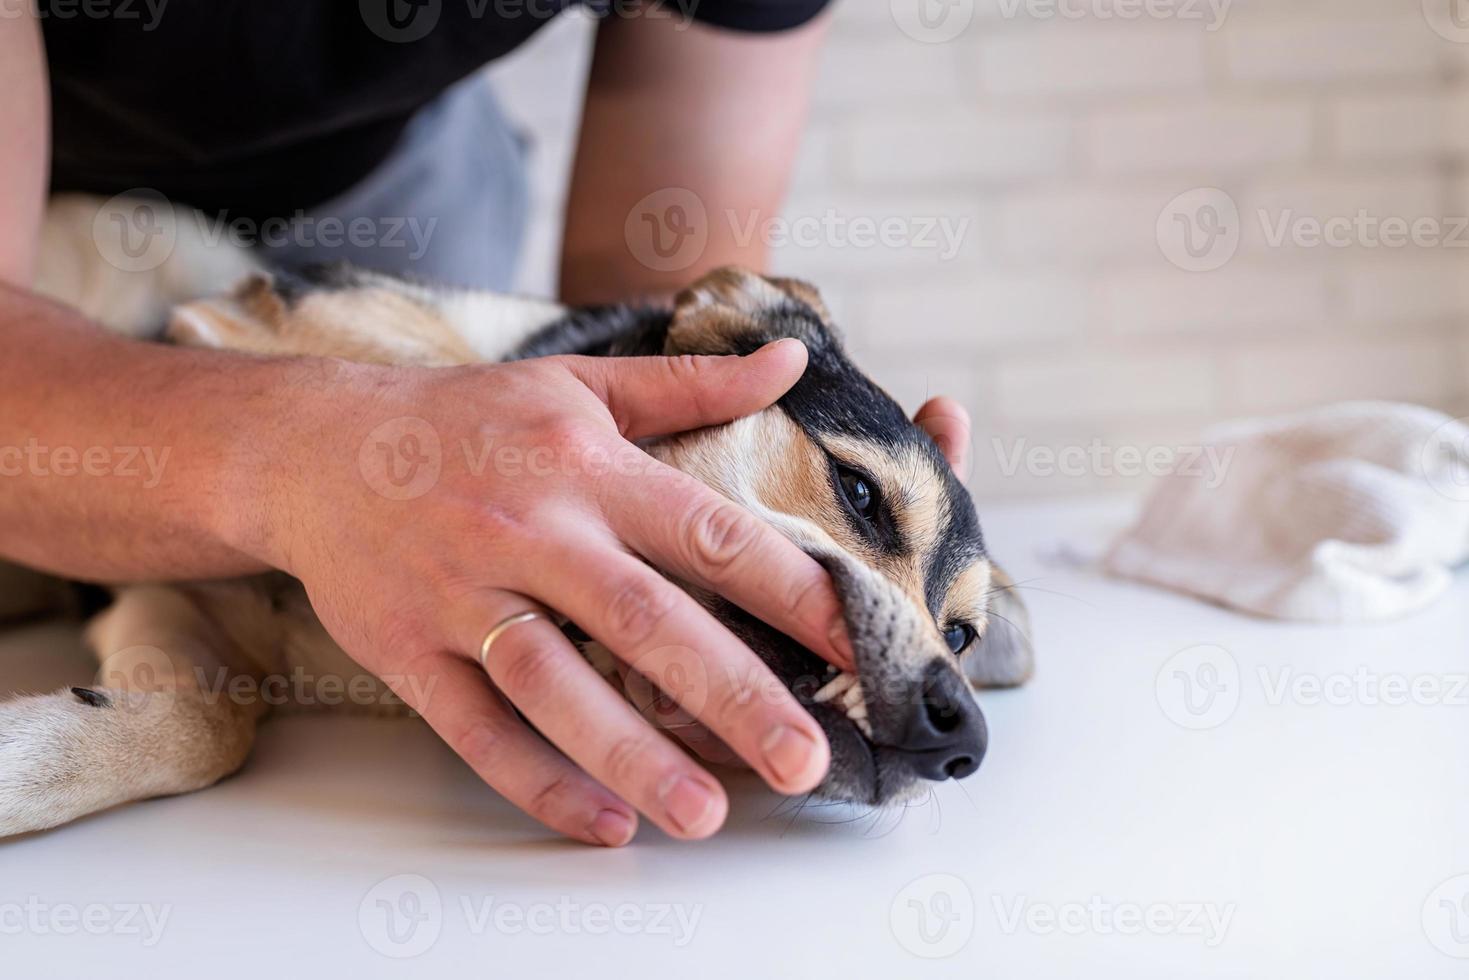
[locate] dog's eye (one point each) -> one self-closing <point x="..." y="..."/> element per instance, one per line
<point x="858" y="493"/>
<point x="959" y="636"/>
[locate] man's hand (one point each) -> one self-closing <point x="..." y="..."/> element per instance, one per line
<point x="947" y="424"/>
<point x="533" y="493"/>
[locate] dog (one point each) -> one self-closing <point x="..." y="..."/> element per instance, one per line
<point x="836" y="466"/>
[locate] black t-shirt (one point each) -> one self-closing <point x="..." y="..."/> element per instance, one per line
<point x="261" y="107"/>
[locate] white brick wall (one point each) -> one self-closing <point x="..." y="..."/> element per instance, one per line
<point x="1193" y="135"/>
<point x="1060" y="320"/>
<point x="1412" y="125"/>
<point x="1323" y="48"/>
<point x="1055" y="59"/>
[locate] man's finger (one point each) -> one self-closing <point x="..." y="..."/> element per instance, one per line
<point x="654" y="396"/>
<point x="548" y="681"/>
<point x="457" y="700"/>
<point x="695" y="533"/>
<point x="667" y="637"/>
<point x="663" y="713"/>
<point x="947" y="424"/>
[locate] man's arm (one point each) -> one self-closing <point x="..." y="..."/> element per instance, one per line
<point x="24" y="152"/>
<point x="263" y="467"/>
<point x="672" y="104"/>
<point x="75" y="401"/>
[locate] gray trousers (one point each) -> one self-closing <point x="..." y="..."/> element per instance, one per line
<point x="449" y="205"/>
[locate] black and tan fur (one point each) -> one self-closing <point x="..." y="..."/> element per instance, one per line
<point x="155" y="723"/>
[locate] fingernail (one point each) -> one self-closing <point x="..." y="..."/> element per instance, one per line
<point x="783" y="340"/>
<point x="686" y="802"/>
<point x="612" y="828"/>
<point x="841" y="640"/>
<point x="788" y="752"/>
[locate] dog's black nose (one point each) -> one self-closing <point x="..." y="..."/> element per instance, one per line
<point x="946" y="735"/>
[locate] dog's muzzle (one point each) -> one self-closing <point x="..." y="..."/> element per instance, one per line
<point x="912" y="702"/>
<point x="945" y="735"/>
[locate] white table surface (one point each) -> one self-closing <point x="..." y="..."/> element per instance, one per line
<point x="1326" y="837"/>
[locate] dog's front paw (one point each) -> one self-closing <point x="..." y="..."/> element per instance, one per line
<point x="45" y="743"/>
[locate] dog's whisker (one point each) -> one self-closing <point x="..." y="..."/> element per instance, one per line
<point x="877" y="814"/>
<point x="1004" y="619"/>
<point x="795" y="816"/>
<point x="967" y="796"/>
<point x="1017" y="586"/>
<point x="860" y="814"/>
<point x="782" y="806"/>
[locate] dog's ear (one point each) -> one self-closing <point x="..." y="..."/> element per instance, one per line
<point x="1004" y="655"/>
<point x="735" y="311"/>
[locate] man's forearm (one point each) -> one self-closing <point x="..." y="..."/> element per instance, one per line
<point x="122" y="460"/>
<point x="25" y="121"/>
<point x="700" y="120"/>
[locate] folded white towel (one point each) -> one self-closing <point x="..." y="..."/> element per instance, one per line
<point x="1348" y="513"/>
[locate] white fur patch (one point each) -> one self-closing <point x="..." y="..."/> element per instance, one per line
<point x="492" y="324"/>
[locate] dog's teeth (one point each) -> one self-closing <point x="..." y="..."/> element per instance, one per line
<point x="845" y="691"/>
<point x="835" y="687"/>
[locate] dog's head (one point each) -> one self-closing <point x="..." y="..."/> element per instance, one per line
<point x="841" y="470"/>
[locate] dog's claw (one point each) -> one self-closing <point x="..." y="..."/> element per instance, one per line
<point x="95" y="698"/>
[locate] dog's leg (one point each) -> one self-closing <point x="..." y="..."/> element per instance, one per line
<point x="155" y="724"/>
